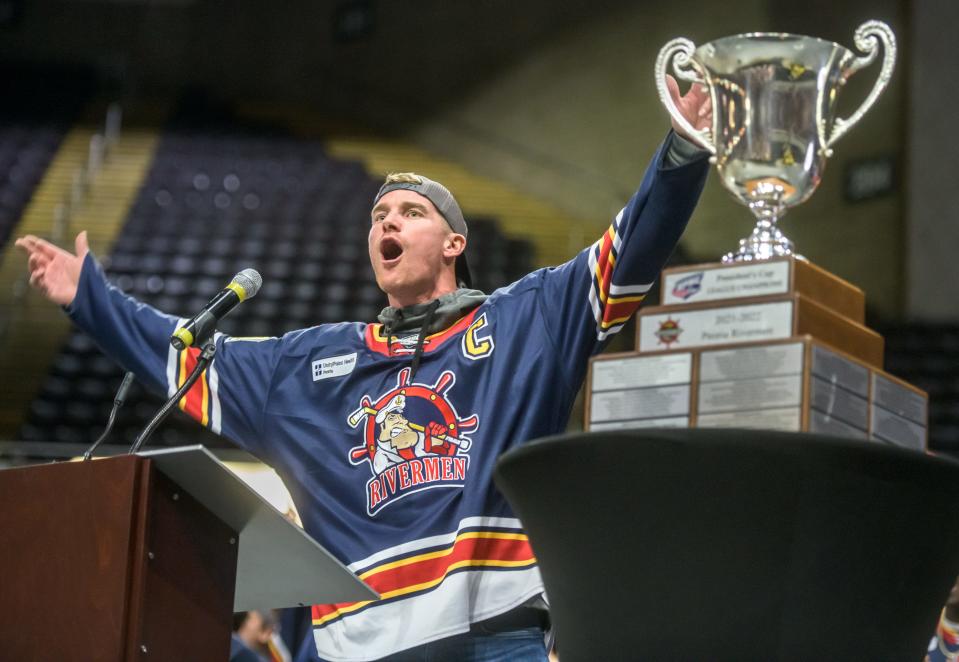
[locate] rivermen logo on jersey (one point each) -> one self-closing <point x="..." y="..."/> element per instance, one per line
<point x="413" y="440"/>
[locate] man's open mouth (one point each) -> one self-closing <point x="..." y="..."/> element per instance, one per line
<point x="390" y="249"/>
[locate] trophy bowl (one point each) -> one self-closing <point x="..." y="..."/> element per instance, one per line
<point x="774" y="121"/>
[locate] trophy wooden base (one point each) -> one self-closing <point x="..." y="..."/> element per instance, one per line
<point x="796" y="384"/>
<point x="778" y="344"/>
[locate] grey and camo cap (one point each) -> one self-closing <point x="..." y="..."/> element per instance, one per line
<point x="444" y="201"/>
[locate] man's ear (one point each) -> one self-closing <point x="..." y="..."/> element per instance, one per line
<point x="455" y="244"/>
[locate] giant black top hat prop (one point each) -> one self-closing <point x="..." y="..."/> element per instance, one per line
<point x="737" y="545"/>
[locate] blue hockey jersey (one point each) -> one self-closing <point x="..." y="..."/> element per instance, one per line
<point x="393" y="474"/>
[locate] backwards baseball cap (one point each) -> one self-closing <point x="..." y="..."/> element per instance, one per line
<point x="443" y="200"/>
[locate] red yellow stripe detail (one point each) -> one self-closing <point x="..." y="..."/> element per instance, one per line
<point x="605" y="263"/>
<point x="616" y="310"/>
<point x="196" y="402"/>
<point x="619" y="312"/>
<point x="617" y="300"/>
<point x="425" y="571"/>
<point x="376" y="340"/>
<point x="443" y="552"/>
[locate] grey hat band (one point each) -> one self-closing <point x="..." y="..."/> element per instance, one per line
<point x="436" y="193"/>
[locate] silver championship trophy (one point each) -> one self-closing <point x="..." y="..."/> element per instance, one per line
<point x="764" y="339"/>
<point x="774" y="124"/>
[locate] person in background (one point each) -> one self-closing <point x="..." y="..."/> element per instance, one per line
<point x="239" y="651"/>
<point x="258" y="632"/>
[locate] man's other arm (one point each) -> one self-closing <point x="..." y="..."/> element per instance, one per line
<point x="230" y="396"/>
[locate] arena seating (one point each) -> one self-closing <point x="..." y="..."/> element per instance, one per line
<point x="927" y="355"/>
<point x="218" y="200"/>
<point x="38" y="107"/>
<point x="25" y="152"/>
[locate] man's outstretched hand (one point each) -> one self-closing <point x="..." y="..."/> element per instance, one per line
<point x="54" y="271"/>
<point x="696" y="107"/>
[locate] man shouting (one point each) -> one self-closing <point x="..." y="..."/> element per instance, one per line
<point x="476" y="373"/>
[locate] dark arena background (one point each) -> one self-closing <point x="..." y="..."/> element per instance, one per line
<point x="196" y="138"/>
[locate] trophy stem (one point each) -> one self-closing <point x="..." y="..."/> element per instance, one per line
<point x="767" y="240"/>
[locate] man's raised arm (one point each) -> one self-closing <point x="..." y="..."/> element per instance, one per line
<point x="591" y="297"/>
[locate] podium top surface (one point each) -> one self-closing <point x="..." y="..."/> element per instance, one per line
<point x="278" y="564"/>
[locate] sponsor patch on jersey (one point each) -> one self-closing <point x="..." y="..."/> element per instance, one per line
<point x="413" y="440"/>
<point x="335" y="366"/>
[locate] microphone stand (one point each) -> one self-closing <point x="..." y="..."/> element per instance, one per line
<point x="203" y="360"/>
<point x="118" y="401"/>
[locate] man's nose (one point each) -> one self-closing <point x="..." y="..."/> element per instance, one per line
<point x="393" y="221"/>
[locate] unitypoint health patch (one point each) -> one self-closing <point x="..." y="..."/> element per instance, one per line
<point x="335" y="366"/>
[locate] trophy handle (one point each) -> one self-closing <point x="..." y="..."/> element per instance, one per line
<point x="685" y="68"/>
<point x="868" y="35"/>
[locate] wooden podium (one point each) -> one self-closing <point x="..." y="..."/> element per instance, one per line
<point x="146" y="557"/>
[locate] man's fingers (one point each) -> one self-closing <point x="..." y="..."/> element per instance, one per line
<point x="81" y="245"/>
<point x="673" y="88"/>
<point x="33" y="244"/>
<point x="37" y="261"/>
<point x="698" y="92"/>
<point x="27" y="244"/>
<point x="36" y="278"/>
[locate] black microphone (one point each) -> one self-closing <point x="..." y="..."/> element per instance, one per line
<point x="243" y="286"/>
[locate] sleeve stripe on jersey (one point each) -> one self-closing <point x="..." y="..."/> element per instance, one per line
<point x="196" y="402"/>
<point x="612" y="305"/>
<point x="202" y="401"/>
<point x="215" y="414"/>
<point x="629" y="289"/>
<point x="172" y="362"/>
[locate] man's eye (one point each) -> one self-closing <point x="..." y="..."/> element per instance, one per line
<point x="414" y="213"/>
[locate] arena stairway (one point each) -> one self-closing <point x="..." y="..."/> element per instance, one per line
<point x="32" y="329"/>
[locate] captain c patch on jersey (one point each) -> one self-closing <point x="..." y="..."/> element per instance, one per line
<point x="413" y="440"/>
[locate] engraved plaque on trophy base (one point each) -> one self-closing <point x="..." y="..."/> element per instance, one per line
<point x="759" y="319"/>
<point x="794" y="384"/>
<point x="726" y="282"/>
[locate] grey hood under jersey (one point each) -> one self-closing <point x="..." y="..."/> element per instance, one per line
<point x="422" y="319"/>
